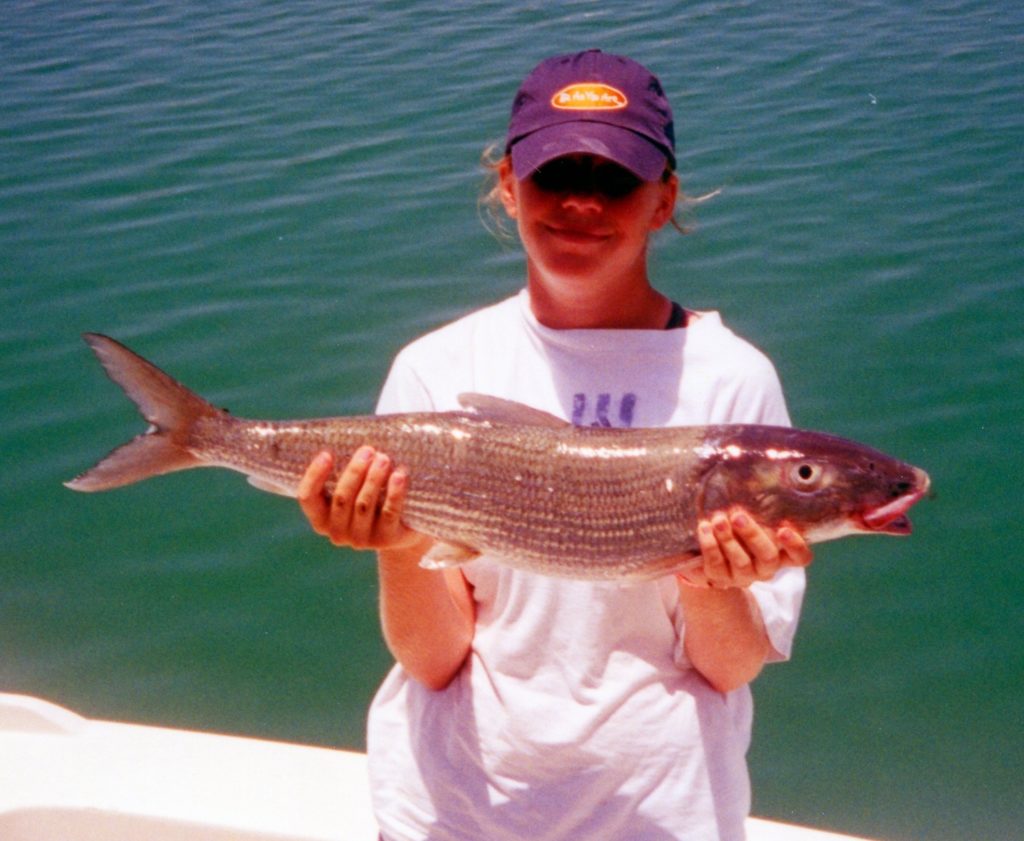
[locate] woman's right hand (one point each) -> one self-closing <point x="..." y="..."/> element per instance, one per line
<point x="365" y="510"/>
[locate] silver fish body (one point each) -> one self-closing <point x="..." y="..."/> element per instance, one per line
<point x="527" y="488"/>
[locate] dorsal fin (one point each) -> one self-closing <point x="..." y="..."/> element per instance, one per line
<point x="498" y="410"/>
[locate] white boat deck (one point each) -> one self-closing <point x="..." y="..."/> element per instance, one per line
<point x="66" y="777"/>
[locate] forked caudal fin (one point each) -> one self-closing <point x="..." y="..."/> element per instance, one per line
<point x="170" y="408"/>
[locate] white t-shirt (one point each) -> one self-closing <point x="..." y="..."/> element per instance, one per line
<point x="577" y="715"/>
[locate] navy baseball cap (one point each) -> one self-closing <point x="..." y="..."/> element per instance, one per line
<point x="592" y="103"/>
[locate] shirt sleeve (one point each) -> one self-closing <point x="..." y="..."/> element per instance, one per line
<point x="780" y="600"/>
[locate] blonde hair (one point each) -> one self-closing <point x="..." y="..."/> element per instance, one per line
<point x="492" y="212"/>
<point x="488" y="204"/>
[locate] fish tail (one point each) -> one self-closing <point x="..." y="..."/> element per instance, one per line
<point x="171" y="409"/>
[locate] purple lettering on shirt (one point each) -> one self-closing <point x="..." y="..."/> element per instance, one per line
<point x="626" y="408"/>
<point x="579" y="406"/>
<point x="602" y="410"/>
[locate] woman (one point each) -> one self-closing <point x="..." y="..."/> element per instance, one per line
<point x="530" y="707"/>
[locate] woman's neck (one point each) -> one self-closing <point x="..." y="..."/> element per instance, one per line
<point x="631" y="307"/>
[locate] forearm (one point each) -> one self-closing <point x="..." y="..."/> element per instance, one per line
<point x="725" y="637"/>
<point x="427" y="616"/>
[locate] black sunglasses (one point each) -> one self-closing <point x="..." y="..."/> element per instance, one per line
<point x="568" y="175"/>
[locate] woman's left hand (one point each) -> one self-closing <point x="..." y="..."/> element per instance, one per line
<point x="736" y="551"/>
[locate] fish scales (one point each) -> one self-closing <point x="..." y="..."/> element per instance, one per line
<point x="525" y="487"/>
<point x="583" y="496"/>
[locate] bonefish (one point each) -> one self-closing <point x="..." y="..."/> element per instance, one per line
<point x="526" y="487"/>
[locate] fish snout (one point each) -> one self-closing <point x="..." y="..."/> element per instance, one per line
<point x="891" y="517"/>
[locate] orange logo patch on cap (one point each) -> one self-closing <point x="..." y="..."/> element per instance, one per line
<point x="589" y="96"/>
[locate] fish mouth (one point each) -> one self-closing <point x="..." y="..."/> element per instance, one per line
<point x="891" y="518"/>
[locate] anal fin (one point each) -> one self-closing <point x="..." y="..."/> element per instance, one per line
<point x="270" y="486"/>
<point x="444" y="555"/>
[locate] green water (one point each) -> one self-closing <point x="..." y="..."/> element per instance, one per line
<point x="270" y="199"/>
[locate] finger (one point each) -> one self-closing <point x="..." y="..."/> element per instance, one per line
<point x="716" y="568"/>
<point x="739" y="570"/>
<point x="310" y="493"/>
<point x="390" y="521"/>
<point x="798" y="551"/>
<point x="761" y="551"/>
<point x="364" y="511"/>
<point x="343" y="499"/>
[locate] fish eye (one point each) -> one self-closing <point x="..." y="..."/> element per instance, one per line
<point x="805" y="475"/>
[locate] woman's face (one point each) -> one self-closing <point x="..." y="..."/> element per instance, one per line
<point x="582" y="218"/>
